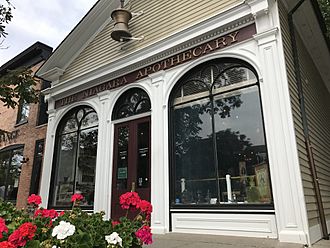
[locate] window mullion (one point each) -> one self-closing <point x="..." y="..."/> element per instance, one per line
<point x="76" y="161"/>
<point x="215" y="153"/>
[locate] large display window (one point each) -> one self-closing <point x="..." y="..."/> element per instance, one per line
<point x="75" y="158"/>
<point x="219" y="154"/>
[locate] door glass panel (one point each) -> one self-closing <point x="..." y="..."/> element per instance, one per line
<point x="122" y="158"/>
<point x="142" y="179"/>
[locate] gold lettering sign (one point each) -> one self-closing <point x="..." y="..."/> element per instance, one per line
<point x="193" y="53"/>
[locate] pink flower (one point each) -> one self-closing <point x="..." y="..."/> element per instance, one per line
<point x="61" y="213"/>
<point x="145" y="235"/>
<point x="3" y="227"/>
<point x="129" y="199"/>
<point x="34" y="199"/>
<point x="76" y="197"/>
<point x="6" y="244"/>
<point x="145" y="207"/>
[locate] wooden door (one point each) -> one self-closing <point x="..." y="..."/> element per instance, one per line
<point x="131" y="165"/>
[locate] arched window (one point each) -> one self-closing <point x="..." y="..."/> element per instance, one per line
<point x="134" y="101"/>
<point x="219" y="155"/>
<point x="75" y="158"/>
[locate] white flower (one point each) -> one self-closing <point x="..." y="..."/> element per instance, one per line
<point x="63" y="230"/>
<point x="113" y="239"/>
<point x="54" y="246"/>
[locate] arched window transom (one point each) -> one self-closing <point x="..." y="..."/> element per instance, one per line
<point x="132" y="102"/>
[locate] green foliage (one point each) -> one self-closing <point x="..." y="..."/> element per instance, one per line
<point x="5" y="17"/>
<point x="325" y="9"/>
<point x="90" y="229"/>
<point x="17" y="86"/>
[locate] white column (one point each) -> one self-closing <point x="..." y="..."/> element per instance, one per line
<point x="103" y="173"/>
<point x="48" y="153"/>
<point x="283" y="158"/>
<point x="158" y="167"/>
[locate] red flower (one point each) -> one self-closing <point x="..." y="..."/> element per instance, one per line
<point x="145" y="207"/>
<point x="34" y="199"/>
<point x="76" y="197"/>
<point x="6" y="244"/>
<point x="3" y="227"/>
<point x="61" y="213"/>
<point x="51" y="213"/>
<point x="115" y="223"/>
<point x="27" y="230"/>
<point x="23" y="234"/>
<point x="145" y="235"/>
<point x="17" y="239"/>
<point x="129" y="199"/>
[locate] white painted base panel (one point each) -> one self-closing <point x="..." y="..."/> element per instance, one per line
<point x="248" y="225"/>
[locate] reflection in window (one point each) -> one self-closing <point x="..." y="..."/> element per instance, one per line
<point x="10" y="170"/>
<point x="220" y="154"/>
<point x="132" y="102"/>
<point x="23" y="112"/>
<point x="74" y="170"/>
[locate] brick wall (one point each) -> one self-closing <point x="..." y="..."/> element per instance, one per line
<point x="29" y="132"/>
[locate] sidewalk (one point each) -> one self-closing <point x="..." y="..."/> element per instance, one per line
<point x="178" y="240"/>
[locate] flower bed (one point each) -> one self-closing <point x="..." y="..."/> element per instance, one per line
<point x="37" y="227"/>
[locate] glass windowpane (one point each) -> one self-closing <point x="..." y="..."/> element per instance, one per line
<point x="85" y="172"/>
<point x="10" y="171"/>
<point x="195" y="180"/>
<point x="143" y="155"/>
<point x="65" y="170"/>
<point x="241" y="149"/>
<point x="122" y="158"/>
<point x="132" y="102"/>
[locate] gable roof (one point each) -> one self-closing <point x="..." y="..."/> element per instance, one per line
<point x="79" y="37"/>
<point x="95" y="21"/>
<point x="29" y="57"/>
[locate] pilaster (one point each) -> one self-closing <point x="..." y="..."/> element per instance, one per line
<point x="48" y="153"/>
<point x="103" y="171"/>
<point x="283" y="159"/>
<point x="158" y="170"/>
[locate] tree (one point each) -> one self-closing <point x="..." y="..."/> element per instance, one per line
<point x="5" y="17"/>
<point x="17" y="86"/>
<point x="325" y="9"/>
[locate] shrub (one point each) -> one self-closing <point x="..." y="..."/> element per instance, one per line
<point x="37" y="227"/>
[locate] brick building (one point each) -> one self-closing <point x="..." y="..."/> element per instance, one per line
<point x="22" y="135"/>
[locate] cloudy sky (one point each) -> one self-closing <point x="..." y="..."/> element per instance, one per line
<point x="47" y="21"/>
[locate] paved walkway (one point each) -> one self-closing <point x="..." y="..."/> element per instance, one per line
<point x="176" y="240"/>
<point x="322" y="244"/>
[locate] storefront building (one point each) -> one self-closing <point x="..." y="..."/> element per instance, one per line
<point x="22" y="133"/>
<point x="196" y="113"/>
